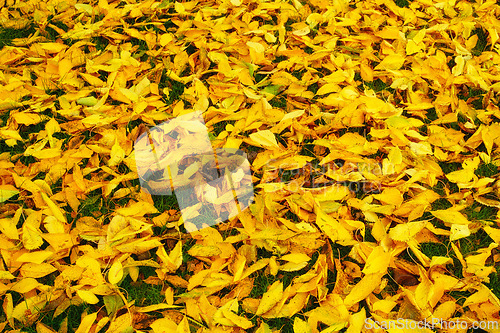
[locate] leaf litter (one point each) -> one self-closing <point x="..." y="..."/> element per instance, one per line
<point x="373" y="131"/>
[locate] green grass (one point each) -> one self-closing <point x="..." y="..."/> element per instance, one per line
<point x="73" y="314"/>
<point x="186" y="246"/>
<point x="460" y="296"/>
<point x="482" y="41"/>
<point x="100" y="42"/>
<point x="376" y="85"/>
<point x="478" y="212"/>
<point x="7" y="35"/>
<point x="263" y="281"/>
<point x="470" y="245"/>
<point x="176" y="89"/>
<point x="52" y="33"/>
<point x="219" y="127"/>
<point x="486" y="170"/>
<point x="443" y="250"/>
<point x="467" y="246"/>
<point x="283" y="325"/>
<point x="90" y="205"/>
<point x="402" y="3"/>
<point x="19" y="148"/>
<point x="368" y="236"/>
<point x="494" y="283"/>
<point x="448" y="167"/>
<point x="146" y="294"/>
<point x="261" y="284"/>
<point x="142" y="293"/>
<point x="165" y="202"/>
<point x="441" y="203"/>
<point x="434" y="249"/>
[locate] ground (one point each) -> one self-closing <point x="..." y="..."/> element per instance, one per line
<point x="371" y="128"/>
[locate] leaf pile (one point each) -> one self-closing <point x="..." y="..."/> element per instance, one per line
<point x="373" y="132"/>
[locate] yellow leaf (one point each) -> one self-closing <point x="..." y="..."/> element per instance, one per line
<point x="445" y="310"/>
<point x="219" y="316"/>
<point x="118" y="223"/>
<point x="36" y="271"/>
<point x="7" y="192"/>
<point x="175" y="256"/>
<point x="270" y="298"/>
<point x="32" y="236"/>
<point x="332" y="228"/>
<point x="349" y="93"/>
<point x="121" y="324"/>
<point x="257" y="47"/>
<point x="6" y="275"/>
<point x="36" y="257"/>
<point x="357" y="322"/>
<point x="302" y="31"/>
<point x="8" y="309"/>
<point x="238" y="267"/>
<point x="440" y="261"/>
<point x="164" y="325"/>
<point x="32" y="305"/>
<point x="166" y="39"/>
<point x="406" y="232"/>
<point x="450" y="216"/>
<point x="377" y="261"/>
<point x="87" y="101"/>
<point x="200" y="250"/>
<point x="10" y="134"/>
<point x="87" y="296"/>
<point x="92" y="80"/>
<point x="493" y="233"/>
<point x="100" y="324"/>
<point x="412" y="47"/>
<point x="183" y="326"/>
<point x="87" y="323"/>
<point x="476" y="264"/>
<point x="363" y="288"/>
<point x="296" y="257"/>
<point x="390" y="196"/>
<point x="237" y="320"/>
<point x="479" y="297"/>
<point x="8" y="228"/>
<point x="58" y="213"/>
<point x="117" y="154"/>
<point x="423" y="291"/>
<point x="27" y="118"/>
<point x="179" y="8"/>
<point x="130" y="96"/>
<point x="139" y="246"/>
<point x="115" y="273"/>
<point x="391" y="62"/>
<point x="25" y="285"/>
<point x="264" y="138"/>
<point x="461" y="176"/>
<point x="42" y="328"/>
<point x="137" y="209"/>
<point x="156" y="307"/>
<point x="53" y="225"/>
<point x="421" y="148"/>
<point x="53" y="47"/>
<point x="47" y="153"/>
<point x="134" y="273"/>
<point x="197" y="279"/>
<point x="458" y="231"/>
<point x="292" y="267"/>
<point x="300" y="326"/>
